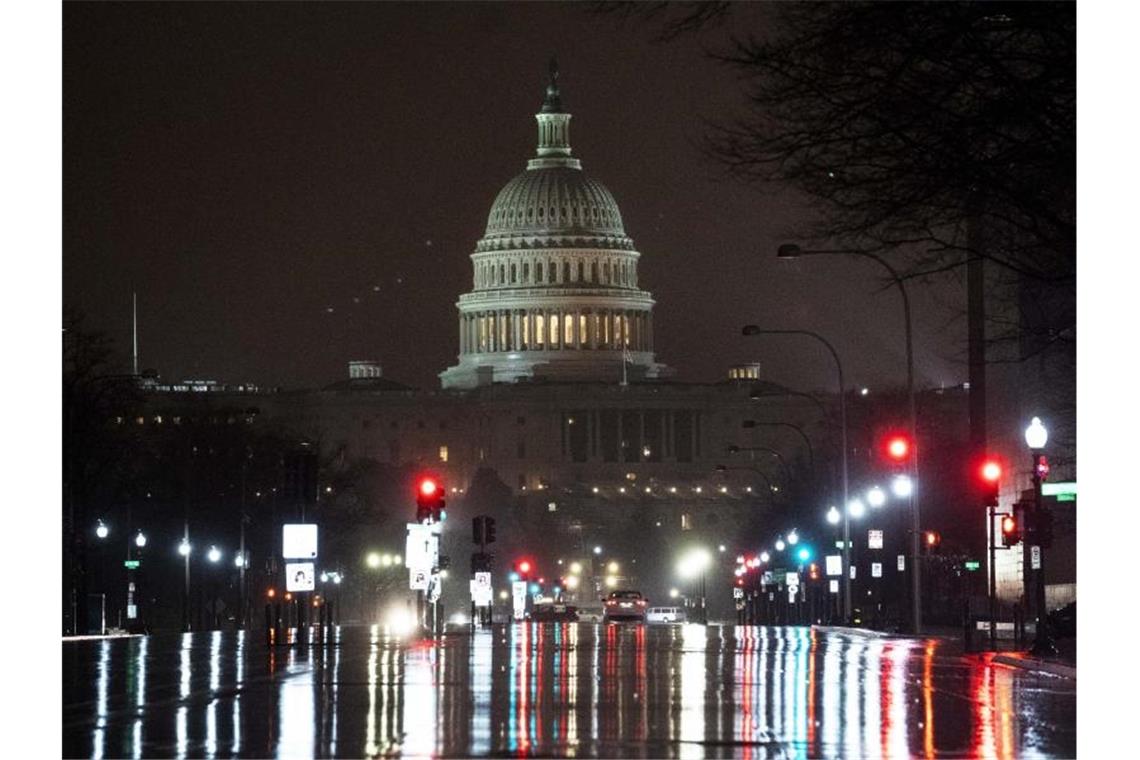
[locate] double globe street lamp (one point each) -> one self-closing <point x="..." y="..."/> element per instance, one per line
<point x="1036" y="436"/>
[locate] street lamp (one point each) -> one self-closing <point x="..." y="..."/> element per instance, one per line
<point x="876" y="497"/>
<point x="902" y="486"/>
<point x="214" y="554"/>
<point x="793" y="538"/>
<point x="693" y="565"/>
<point x="779" y="544"/>
<point x="754" y="330"/>
<point x="792" y="251"/>
<point x="140" y="540"/>
<point x="833" y="516"/>
<point x="373" y="560"/>
<point x="856" y="509"/>
<point x="101" y="530"/>
<point x="184" y="548"/>
<point x="1036" y="436"/>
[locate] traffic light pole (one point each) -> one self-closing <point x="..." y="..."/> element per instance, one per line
<point x="993" y="576"/>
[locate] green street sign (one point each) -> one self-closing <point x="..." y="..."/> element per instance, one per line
<point x="131" y="564"/>
<point x="1065" y="491"/>
<point x="972" y="565"/>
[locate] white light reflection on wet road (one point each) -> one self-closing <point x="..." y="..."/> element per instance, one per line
<point x="581" y="690"/>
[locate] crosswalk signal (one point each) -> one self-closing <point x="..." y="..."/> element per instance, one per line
<point x="931" y="539"/>
<point x="1010" y="531"/>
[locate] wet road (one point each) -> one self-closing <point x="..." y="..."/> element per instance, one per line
<point x="558" y="689"/>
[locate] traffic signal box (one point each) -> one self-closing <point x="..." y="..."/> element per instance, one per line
<point x="1010" y="530"/>
<point x="483" y="530"/>
<point x="990" y="472"/>
<point x="931" y="539"/>
<point x="429" y="500"/>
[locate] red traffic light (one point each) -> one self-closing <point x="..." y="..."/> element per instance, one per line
<point x="933" y="538"/>
<point x="1008" y="524"/>
<point x="524" y="566"/>
<point x="898" y="447"/>
<point x="428" y="487"/>
<point x="991" y="471"/>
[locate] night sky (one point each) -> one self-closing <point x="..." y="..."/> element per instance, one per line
<point x="245" y="167"/>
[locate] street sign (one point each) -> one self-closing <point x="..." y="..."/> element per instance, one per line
<point x="132" y="611"/>
<point x="876" y="569"/>
<point x="792" y="579"/>
<point x="972" y="565"/>
<point x="902" y="562"/>
<point x="435" y="588"/>
<point x="418" y="580"/>
<point x="833" y="586"/>
<point x="766" y="579"/>
<point x="1062" y="491"/>
<point x="518" y="596"/>
<point x="737" y="593"/>
<point x="131" y="564"/>
<point x="833" y="564"/>
<point x="874" y="539"/>
<point x="1035" y="557"/>
<point x="852" y="568"/>
<point x="300" y="576"/>
<point x="299" y="541"/>
<point x="421" y="552"/>
<point x="792" y="591"/>
<point x="481" y="592"/>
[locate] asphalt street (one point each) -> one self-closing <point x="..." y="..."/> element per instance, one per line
<point x="558" y="689"/>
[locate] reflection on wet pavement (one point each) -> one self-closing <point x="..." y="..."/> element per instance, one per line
<point x="557" y="689"/>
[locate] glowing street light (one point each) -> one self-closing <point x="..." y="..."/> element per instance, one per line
<point x="674" y="593"/>
<point x="856" y="509"/>
<point x="611" y="581"/>
<point x="575" y="568"/>
<point x="373" y="559"/>
<point x="597" y="550"/>
<point x="184" y="548"/>
<point x="765" y="556"/>
<point x="779" y="544"/>
<point x="902" y="486"/>
<point x="613" y="568"/>
<point x="214" y="554"/>
<point x="876" y="497"/>
<point x="140" y="540"/>
<point x="833" y="516"/>
<point x="101" y="530"/>
<point x="793" y="538"/>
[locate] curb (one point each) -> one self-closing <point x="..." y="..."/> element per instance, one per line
<point x="871" y="633"/>
<point x="1042" y="666"/>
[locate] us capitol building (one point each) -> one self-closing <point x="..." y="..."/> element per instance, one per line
<point x="557" y="392"/>
<point x="555" y="292"/>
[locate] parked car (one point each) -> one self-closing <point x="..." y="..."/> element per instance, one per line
<point x="625" y="605"/>
<point x="591" y="612"/>
<point x="665" y="615"/>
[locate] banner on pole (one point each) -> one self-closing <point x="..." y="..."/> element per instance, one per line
<point x="833" y="564"/>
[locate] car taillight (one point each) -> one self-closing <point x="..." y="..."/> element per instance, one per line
<point x="610" y="602"/>
<point x="641" y="602"/>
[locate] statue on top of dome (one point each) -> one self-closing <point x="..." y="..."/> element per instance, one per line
<point x="553" y="102"/>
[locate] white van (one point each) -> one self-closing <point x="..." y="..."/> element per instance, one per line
<point x="665" y="615"/>
<point x="590" y="612"/>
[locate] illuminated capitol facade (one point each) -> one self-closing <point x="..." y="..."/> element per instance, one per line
<point x="555" y="292"/>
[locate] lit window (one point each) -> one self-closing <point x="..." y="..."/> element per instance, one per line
<point x="582" y="330"/>
<point x="443" y="453"/>
<point x="539" y="329"/>
<point x="568" y="331"/>
<point x="553" y="329"/>
<point x="686" y="522"/>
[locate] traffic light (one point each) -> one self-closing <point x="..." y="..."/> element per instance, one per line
<point x="1010" y="531"/>
<point x="991" y="481"/>
<point x="429" y="500"/>
<point x="931" y="539"/>
<point x="813" y="572"/>
<point x="483" y="530"/>
<point x="898" y="448"/>
<point x="523" y="568"/>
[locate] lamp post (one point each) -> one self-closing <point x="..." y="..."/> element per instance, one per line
<point x="184" y="550"/>
<point x="755" y="330"/>
<point x="693" y="565"/>
<point x="1035" y="437"/>
<point x="792" y="251"/>
<point x="214" y="555"/>
<point x="797" y="428"/>
<point x="734" y="449"/>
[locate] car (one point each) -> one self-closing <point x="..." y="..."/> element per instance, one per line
<point x="665" y="615"/>
<point x="591" y="612"/>
<point x="554" y="613"/>
<point x="625" y="605"/>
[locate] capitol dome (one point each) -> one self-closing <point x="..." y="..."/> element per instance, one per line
<point x="556" y="200"/>
<point x="555" y="292"/>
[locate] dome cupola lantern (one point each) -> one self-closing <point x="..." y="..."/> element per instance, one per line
<point x="555" y="292"/>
